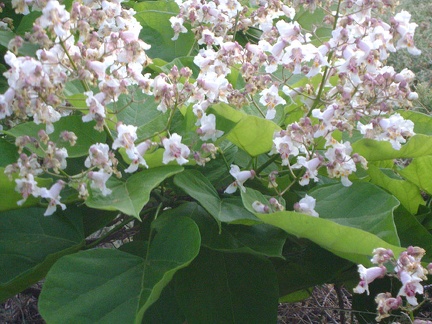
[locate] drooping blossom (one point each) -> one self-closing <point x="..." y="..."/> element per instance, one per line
<point x="306" y="205"/>
<point x="175" y="150"/>
<point x="240" y="178"/>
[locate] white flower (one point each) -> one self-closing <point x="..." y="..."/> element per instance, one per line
<point x="98" y="156"/>
<point x="175" y="150"/>
<point x="208" y="128"/>
<point x="259" y="207"/>
<point x="410" y="287"/>
<point x="270" y="98"/>
<point x="306" y="205"/>
<point x="177" y="26"/>
<point x="367" y="275"/>
<point x="53" y="194"/>
<point x="240" y="176"/>
<point x="140" y="150"/>
<point x="311" y="167"/>
<point x="125" y="138"/>
<point x="99" y="179"/>
<point x="94" y="103"/>
<point x="27" y="186"/>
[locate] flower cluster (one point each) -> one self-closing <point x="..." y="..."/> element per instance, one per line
<point x="407" y="269"/>
<point x="94" y="46"/>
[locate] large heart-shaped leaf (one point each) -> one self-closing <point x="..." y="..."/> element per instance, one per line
<point x="130" y="196"/>
<point x="362" y="205"/>
<point x="110" y="286"/>
<point x="154" y="17"/>
<point x="30" y="243"/>
<point x="350" y="243"/>
<point x="372" y="150"/>
<point x="228" y="288"/>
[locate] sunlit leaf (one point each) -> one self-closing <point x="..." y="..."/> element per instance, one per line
<point x="350" y="243"/>
<point x="131" y="195"/>
<point x="362" y="205"/>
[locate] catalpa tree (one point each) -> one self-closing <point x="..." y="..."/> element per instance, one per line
<point x="254" y="149"/>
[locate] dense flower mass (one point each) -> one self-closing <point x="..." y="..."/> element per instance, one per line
<point x="345" y="86"/>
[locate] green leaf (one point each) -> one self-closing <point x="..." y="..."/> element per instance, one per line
<point x="411" y="232"/>
<point x="362" y="205"/>
<point x="417" y="172"/>
<point x="250" y="133"/>
<point x="228" y="288"/>
<point x="372" y="150"/>
<point x="110" y="286"/>
<point x="85" y="132"/>
<point x="406" y="192"/>
<point x="154" y="17"/>
<point x="199" y="187"/>
<point x="303" y="267"/>
<point x="140" y="110"/>
<point x="30" y="243"/>
<point x="257" y="239"/>
<point x="131" y="195"/>
<point x="7" y="188"/>
<point x="9" y="153"/>
<point x="347" y="242"/>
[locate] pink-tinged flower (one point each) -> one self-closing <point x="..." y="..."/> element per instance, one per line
<point x="270" y="98"/>
<point x="395" y="130"/>
<point x="285" y="147"/>
<point x="208" y="128"/>
<point x="175" y="150"/>
<point x="410" y="287"/>
<point x="177" y="26"/>
<point x="98" y="156"/>
<point x="259" y="207"/>
<point x="311" y="167"/>
<point x="386" y="303"/>
<point x="56" y="17"/>
<point x="381" y="256"/>
<point x="340" y="162"/>
<point x="140" y="150"/>
<point x="367" y="275"/>
<point x="241" y="177"/>
<point x="99" y="179"/>
<point x="125" y="138"/>
<point x="306" y="205"/>
<point x="27" y="186"/>
<point x="53" y="195"/>
<point x="96" y="108"/>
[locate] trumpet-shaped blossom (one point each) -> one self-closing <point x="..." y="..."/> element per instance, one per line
<point x="306" y="205"/>
<point x="53" y="195"/>
<point x="98" y="181"/>
<point x="175" y="150"/>
<point x="367" y="275"/>
<point x="241" y="177"/>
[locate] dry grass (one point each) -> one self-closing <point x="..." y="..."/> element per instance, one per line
<point x="22" y="308"/>
<point x="323" y="306"/>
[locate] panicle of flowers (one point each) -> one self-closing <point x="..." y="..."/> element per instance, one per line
<point x="407" y="269"/>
